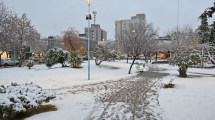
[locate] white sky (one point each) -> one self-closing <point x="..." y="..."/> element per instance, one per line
<point x="52" y="17"/>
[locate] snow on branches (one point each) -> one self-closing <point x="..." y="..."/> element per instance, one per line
<point x="56" y="55"/>
<point x="19" y="98"/>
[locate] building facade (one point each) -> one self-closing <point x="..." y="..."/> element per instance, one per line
<point x="96" y="33"/>
<point x="123" y="25"/>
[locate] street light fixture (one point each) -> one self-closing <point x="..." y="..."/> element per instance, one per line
<point x="89" y="2"/>
<point x="88" y="17"/>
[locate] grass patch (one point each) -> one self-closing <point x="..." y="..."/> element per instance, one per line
<point x="32" y="111"/>
<point x="169" y="85"/>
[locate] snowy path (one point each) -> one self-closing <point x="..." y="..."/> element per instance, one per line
<point x="127" y="98"/>
<point x="131" y="101"/>
<point x="130" y="98"/>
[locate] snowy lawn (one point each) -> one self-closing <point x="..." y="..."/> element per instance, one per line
<point x="192" y="98"/>
<point x="58" y="77"/>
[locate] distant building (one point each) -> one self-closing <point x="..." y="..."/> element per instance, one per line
<point x="84" y="43"/>
<point x="54" y="41"/>
<point x="122" y="25"/>
<point x="96" y="33"/>
<point x="103" y="35"/>
<point x="108" y="43"/>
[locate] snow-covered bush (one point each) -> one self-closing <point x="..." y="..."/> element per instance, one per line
<point x="103" y="54"/>
<point x="75" y="59"/>
<point x="183" y="60"/>
<point x="2" y="89"/>
<point x="185" y="51"/>
<point x="56" y="55"/>
<point x="143" y="66"/>
<point x="29" y="63"/>
<point x="17" y="99"/>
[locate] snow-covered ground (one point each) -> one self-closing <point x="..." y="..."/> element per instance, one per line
<point x="191" y="99"/>
<point x="72" y="106"/>
<point x="58" y="77"/>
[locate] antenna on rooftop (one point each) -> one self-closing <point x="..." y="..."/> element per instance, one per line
<point x="94" y="14"/>
<point x="178" y="16"/>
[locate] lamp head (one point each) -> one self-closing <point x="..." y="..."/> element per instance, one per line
<point x="89" y="2"/>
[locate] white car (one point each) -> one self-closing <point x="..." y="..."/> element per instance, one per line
<point x="9" y="62"/>
<point x="36" y="58"/>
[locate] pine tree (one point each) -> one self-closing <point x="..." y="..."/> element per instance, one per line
<point x="56" y="55"/>
<point x="207" y="33"/>
<point x="204" y="29"/>
<point x="212" y="33"/>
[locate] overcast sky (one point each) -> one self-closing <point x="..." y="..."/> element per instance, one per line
<point x="52" y="17"/>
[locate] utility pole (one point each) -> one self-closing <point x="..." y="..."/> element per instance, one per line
<point x="94" y="14"/>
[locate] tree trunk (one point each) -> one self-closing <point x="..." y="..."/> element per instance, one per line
<point x="98" y="62"/>
<point x="129" y="72"/>
<point x="156" y="55"/>
<point x="0" y="60"/>
<point x="20" y="60"/>
<point x="183" y="71"/>
<point x="145" y="57"/>
<point x="127" y="59"/>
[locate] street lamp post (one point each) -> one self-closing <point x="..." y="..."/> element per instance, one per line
<point x="88" y="17"/>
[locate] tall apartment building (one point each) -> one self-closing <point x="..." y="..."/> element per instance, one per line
<point x="121" y="25"/>
<point x="96" y="33"/>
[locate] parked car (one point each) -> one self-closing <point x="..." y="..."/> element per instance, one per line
<point x="35" y="58"/>
<point x="9" y="62"/>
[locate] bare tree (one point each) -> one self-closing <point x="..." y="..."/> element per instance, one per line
<point x="4" y="43"/>
<point x="15" y="33"/>
<point x="124" y="47"/>
<point x="103" y="53"/>
<point x="138" y="39"/>
<point x="71" y="40"/>
<point x="24" y="35"/>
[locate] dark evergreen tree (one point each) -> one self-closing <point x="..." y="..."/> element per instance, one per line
<point x="204" y="29"/>
<point x="212" y="33"/>
<point x="56" y="55"/>
<point x="207" y="33"/>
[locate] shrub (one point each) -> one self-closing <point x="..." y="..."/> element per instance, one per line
<point x="75" y="59"/>
<point x="104" y="54"/>
<point x="170" y="85"/>
<point x="16" y="100"/>
<point x="56" y="55"/>
<point x="29" y="63"/>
